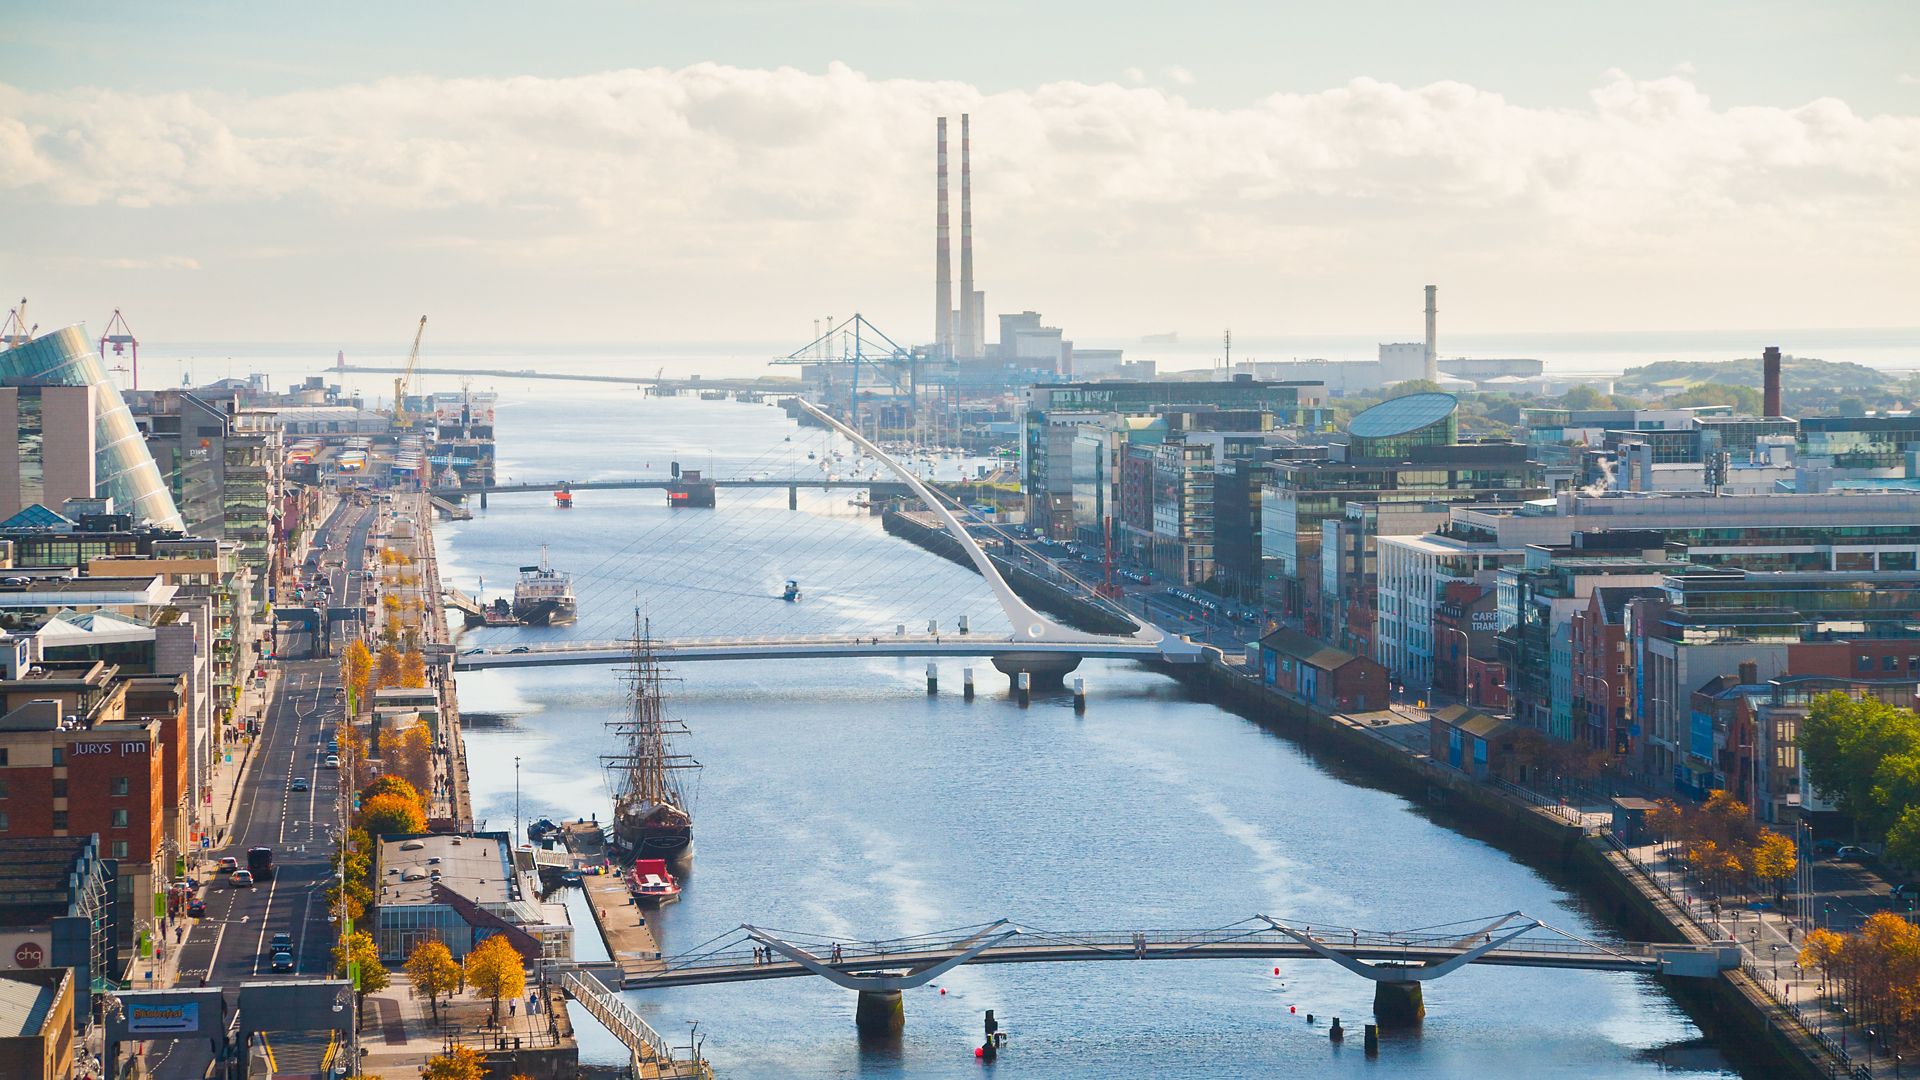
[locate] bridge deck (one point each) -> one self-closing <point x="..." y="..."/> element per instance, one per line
<point x="685" y="651"/>
<point x="739" y="965"/>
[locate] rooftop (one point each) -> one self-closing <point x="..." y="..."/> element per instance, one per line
<point x="475" y="866"/>
<point x="25" y="1007"/>
<point x="1401" y="415"/>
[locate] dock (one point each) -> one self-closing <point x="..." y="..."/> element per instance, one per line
<point x="623" y="924"/>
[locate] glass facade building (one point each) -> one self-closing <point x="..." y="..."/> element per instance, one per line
<point x="124" y="469"/>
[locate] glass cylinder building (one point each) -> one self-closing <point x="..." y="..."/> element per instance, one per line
<point x="123" y="468"/>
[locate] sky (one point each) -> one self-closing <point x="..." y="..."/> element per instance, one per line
<point x="734" y="169"/>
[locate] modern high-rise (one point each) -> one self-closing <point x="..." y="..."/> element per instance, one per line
<point x="51" y="385"/>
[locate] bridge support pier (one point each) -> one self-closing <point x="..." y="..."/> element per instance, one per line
<point x="1049" y="670"/>
<point x="880" y="1012"/>
<point x="1398" y="1004"/>
<point x="483" y="499"/>
<point x="793" y="496"/>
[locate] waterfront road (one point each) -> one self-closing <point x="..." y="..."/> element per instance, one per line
<point x="230" y="945"/>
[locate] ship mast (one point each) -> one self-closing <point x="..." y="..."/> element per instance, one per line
<point x="645" y="768"/>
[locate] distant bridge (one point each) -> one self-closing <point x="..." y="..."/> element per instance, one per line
<point x="1038" y="646"/>
<point x="1034" y="653"/>
<point x="785" y="387"/>
<point x="885" y="487"/>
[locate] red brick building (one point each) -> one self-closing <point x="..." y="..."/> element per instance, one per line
<point x="1602" y="698"/>
<point x="1466" y="646"/>
<point x="1319" y="675"/>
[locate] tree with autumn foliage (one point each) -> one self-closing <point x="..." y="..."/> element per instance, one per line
<point x="495" y="969"/>
<point x="356" y="668"/>
<point x="460" y="1062"/>
<point x="387" y="668"/>
<point x="413" y="670"/>
<point x="433" y="971"/>
<point x="392" y="815"/>
<point x="1876" y="970"/>
<point x="1775" y="859"/>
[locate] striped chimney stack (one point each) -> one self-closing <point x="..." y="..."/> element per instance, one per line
<point x="943" y="258"/>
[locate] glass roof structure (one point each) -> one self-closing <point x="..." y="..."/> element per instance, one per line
<point x="123" y="467"/>
<point x="1390" y="428"/>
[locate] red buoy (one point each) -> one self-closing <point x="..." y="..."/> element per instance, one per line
<point x="943" y="991"/>
<point x="979" y="1051"/>
<point x="1291" y="1009"/>
<point x="1276" y="971"/>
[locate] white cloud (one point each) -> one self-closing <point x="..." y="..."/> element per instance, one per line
<point x="1179" y="76"/>
<point x="1134" y="75"/>
<point x="1907" y="79"/>
<point x="762" y="178"/>
<point x="163" y="262"/>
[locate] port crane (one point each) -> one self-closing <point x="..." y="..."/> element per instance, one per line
<point x="119" y="335"/>
<point x="15" y="331"/>
<point x="400" y="384"/>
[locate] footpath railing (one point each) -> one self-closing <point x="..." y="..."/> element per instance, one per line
<point x="625" y="1024"/>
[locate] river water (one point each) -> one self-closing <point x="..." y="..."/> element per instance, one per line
<point x="838" y="798"/>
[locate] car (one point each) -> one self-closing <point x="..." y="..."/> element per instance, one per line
<point x="473" y="652"/>
<point x="197" y="908"/>
<point x="282" y="961"/>
<point x="228" y="864"/>
<point x="1905" y="891"/>
<point x="241" y="879"/>
<point x="1853" y="853"/>
<point x="281" y="942"/>
<point x="519" y="649"/>
<point x="333" y="761"/>
<point x="299" y="784"/>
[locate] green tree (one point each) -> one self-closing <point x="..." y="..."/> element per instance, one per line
<point x="391" y="815"/>
<point x="1413" y="386"/>
<point x="433" y="971"/>
<point x="1903" y="840"/>
<point x="359" y="949"/>
<point x="1845" y="743"/>
<point x="495" y="969"/>
<point x="1585" y="397"/>
<point x="1746" y="400"/>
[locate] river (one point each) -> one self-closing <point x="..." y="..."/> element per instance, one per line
<point x="838" y="797"/>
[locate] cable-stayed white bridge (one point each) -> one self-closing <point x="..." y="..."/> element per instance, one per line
<point x="1037" y="645"/>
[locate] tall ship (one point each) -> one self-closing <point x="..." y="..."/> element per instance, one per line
<point x="648" y="778"/>
<point x="543" y="596"/>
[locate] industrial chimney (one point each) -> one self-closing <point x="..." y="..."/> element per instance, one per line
<point x="1770" y="371"/>
<point x="1433" y="330"/>
<point x="943" y="260"/>
<point x="969" y="345"/>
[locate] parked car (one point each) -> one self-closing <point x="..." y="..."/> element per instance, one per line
<point x="241" y="879"/>
<point x="228" y="864"/>
<point x="197" y="908"/>
<point x="1853" y="853"/>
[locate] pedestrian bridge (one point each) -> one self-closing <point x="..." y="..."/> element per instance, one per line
<point x="1514" y="939"/>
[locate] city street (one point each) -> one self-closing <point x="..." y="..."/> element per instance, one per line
<point x="230" y="945"/>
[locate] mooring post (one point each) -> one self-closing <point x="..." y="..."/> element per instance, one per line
<point x="1079" y="695"/>
<point x="1023" y="683"/>
<point x="966" y="684"/>
<point x="933" y="679"/>
<point x="1373" y="1039"/>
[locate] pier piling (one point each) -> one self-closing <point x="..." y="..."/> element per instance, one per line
<point x="1079" y="695"/>
<point x="1373" y="1039"/>
<point x="1023" y="683"/>
<point x="880" y="1012"/>
<point x="793" y="496"/>
<point x="933" y="679"/>
<point x="966" y="684"/>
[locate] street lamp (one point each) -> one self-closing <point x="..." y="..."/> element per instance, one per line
<point x="1466" y="688"/>
<point x="516" y="800"/>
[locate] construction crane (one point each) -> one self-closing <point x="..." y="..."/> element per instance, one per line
<point x="400" y="417"/>
<point x="119" y="335"/>
<point x="15" y="331"/>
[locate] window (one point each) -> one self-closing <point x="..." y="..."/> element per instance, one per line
<point x="119" y="819"/>
<point x="1866" y="664"/>
<point x="3" y="789"/>
<point x="3" y="756"/>
<point x="59" y="787"/>
<point x="1889" y="663"/>
<point x="3" y="823"/>
<point x="119" y="849"/>
<point x="119" y="785"/>
<point x="60" y="821"/>
<point x="59" y="756"/>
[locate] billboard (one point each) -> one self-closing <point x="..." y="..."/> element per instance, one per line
<point x="22" y="951"/>
<point x="173" y="1017"/>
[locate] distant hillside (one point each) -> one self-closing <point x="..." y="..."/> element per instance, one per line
<point x="1817" y="378"/>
